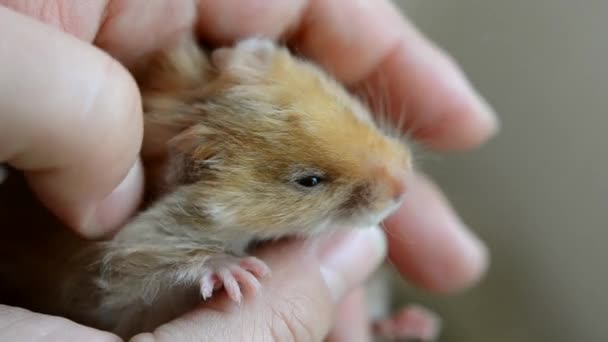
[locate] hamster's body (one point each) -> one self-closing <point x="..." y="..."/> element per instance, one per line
<point x="247" y="144"/>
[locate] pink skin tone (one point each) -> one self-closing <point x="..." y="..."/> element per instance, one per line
<point x="94" y="99"/>
<point x="411" y="322"/>
<point x="232" y="274"/>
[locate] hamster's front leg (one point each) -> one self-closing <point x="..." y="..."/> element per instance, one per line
<point x="141" y="286"/>
<point x="130" y="274"/>
<point x="155" y="264"/>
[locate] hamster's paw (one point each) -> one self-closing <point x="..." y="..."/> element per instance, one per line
<point x="412" y="323"/>
<point x="232" y="273"/>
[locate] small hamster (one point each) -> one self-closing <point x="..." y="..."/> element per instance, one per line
<point x="243" y="143"/>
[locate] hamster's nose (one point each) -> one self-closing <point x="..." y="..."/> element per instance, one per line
<point x="394" y="183"/>
<point x="398" y="187"/>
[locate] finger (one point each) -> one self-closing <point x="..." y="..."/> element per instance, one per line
<point x="417" y="80"/>
<point x="296" y="303"/>
<point x="430" y="245"/>
<point x="134" y="28"/>
<point x="70" y="117"/>
<point x="22" y="325"/>
<point x="411" y="76"/>
<point x="127" y="29"/>
<point x="79" y="18"/>
<point x="270" y="18"/>
<point x="352" y="320"/>
<point x="359" y="254"/>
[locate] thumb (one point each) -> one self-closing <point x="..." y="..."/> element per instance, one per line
<point x="71" y="120"/>
<point x="296" y="303"/>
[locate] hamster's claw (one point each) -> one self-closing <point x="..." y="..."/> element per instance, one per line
<point x="233" y="274"/>
<point x="412" y="323"/>
<point x="255" y="266"/>
<point x="208" y="284"/>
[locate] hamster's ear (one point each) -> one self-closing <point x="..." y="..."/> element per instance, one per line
<point x="196" y="151"/>
<point x="181" y="65"/>
<point x="248" y="57"/>
<point x="165" y="116"/>
<point x="198" y="141"/>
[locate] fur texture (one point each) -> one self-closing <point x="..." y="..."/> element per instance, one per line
<point x="247" y="143"/>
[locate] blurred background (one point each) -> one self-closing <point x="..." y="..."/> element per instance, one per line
<point x="538" y="193"/>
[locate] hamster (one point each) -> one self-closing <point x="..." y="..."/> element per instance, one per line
<point x="242" y="144"/>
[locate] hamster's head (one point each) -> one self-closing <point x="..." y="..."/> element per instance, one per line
<point x="281" y="148"/>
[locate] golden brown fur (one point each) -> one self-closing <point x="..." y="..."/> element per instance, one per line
<point x="229" y="140"/>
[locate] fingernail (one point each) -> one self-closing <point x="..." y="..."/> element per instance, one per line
<point x="489" y="116"/>
<point x="349" y="257"/>
<point x="475" y="258"/>
<point x="465" y="270"/>
<point x="461" y="84"/>
<point x="118" y="206"/>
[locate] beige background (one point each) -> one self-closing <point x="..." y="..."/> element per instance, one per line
<point x="538" y="194"/>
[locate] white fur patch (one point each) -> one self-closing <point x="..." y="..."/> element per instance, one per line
<point x="260" y="47"/>
<point x="250" y="54"/>
<point x="219" y="213"/>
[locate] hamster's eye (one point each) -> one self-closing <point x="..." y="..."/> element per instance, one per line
<point x="309" y="181"/>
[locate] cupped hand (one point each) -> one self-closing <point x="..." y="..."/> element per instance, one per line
<point x="297" y="302"/>
<point x="70" y="114"/>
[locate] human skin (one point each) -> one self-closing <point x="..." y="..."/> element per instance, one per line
<point x="74" y="69"/>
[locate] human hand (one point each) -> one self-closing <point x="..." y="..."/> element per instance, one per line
<point x="93" y="125"/>
<point x="297" y="303"/>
